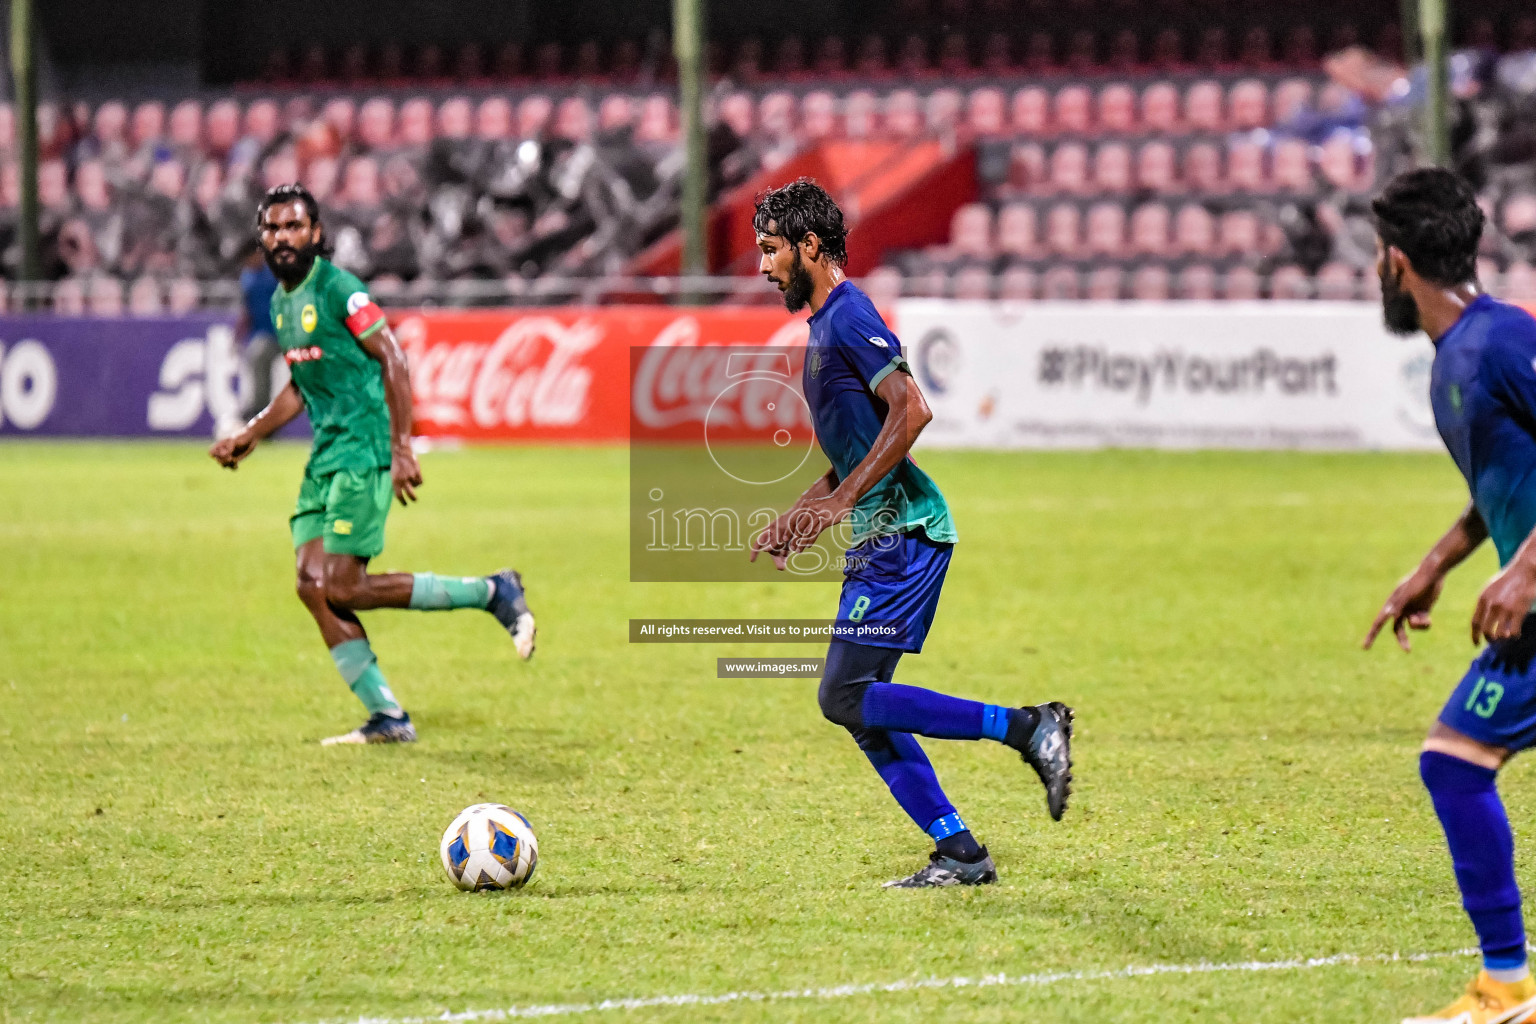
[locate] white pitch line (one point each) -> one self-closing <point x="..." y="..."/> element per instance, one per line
<point x="844" y="991"/>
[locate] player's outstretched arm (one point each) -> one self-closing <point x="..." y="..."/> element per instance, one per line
<point x="776" y="536"/>
<point x="406" y="473"/>
<point x="282" y="410"/>
<point x="907" y="413"/>
<point x="1410" y="604"/>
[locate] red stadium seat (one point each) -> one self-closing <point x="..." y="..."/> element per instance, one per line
<point x="971" y="282"/>
<point x="1168" y="51"/>
<point x="818" y="115"/>
<point x="1063" y="230"/>
<point x="262" y="121"/>
<point x="493" y="118"/>
<point x="902" y="114"/>
<point x="1238" y="234"/>
<point x="1248" y="105"/>
<point x="871" y="61"/>
<point x="970" y="231"/>
<point x="186" y="125"/>
<point x="1202" y="169"/>
<point x="1017" y="284"/>
<point x="1151" y="283"/>
<point x="533" y="114"/>
<point x="1337" y="282"/>
<point x="986" y="113"/>
<point x="1106" y="229"/>
<point x="1292" y="96"/>
<point x="1040" y="54"/>
<point x="617" y="111"/>
<point x="954" y="56"/>
<point x="861" y="114"/>
<point x="1061" y="284"/>
<point x="1160" y="108"/>
<point x="1117" y="109"/>
<point x="320" y="177"/>
<point x="1196" y="282"/>
<point x="1289" y="282"/>
<point x="1245" y="167"/>
<point x="738" y="111"/>
<point x="1341" y="165"/>
<point x="573" y="119"/>
<point x="882" y="285"/>
<point x="658" y="120"/>
<point x="1073" y="110"/>
<point x="416" y="122"/>
<point x="1106" y="283"/>
<point x="1519" y="282"/>
<point x="831" y="57"/>
<point x="183" y="295"/>
<point x="1155" y="169"/>
<point x="912" y="59"/>
<point x="1202" y="107"/>
<point x="69" y="297"/>
<point x="1069" y="169"/>
<point x="455" y="118"/>
<point x="1017" y="231"/>
<point x="1031" y="111"/>
<point x="1026" y="167"/>
<point x="1150" y="224"/>
<point x="375" y="124"/>
<point x="1194" y="231"/>
<point x="1518" y="215"/>
<point x="776" y="115"/>
<point x="1293" y="167"/>
<point x="942" y="110"/>
<point x="1112" y="168"/>
<point x="104" y="296"/>
<point x="360" y="183"/>
<point x="1241" y="284"/>
<point x="997" y="55"/>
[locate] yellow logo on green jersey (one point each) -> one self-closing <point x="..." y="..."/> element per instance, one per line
<point x="308" y="318"/>
<point x="279" y="321"/>
<point x="343" y="526"/>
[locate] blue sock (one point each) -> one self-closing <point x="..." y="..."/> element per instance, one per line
<point x="1483" y="852"/>
<point x="910" y="777"/>
<point x="912" y="709"/>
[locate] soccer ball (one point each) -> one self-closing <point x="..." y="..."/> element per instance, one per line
<point x="489" y="846"/>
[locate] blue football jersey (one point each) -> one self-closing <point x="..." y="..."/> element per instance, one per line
<point x="851" y="350"/>
<point x="1483" y="390"/>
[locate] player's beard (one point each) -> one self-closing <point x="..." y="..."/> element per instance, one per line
<point x="293" y="271"/>
<point x="1398" y="309"/>
<point x="797" y="290"/>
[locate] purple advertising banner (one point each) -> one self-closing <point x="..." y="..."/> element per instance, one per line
<point x="120" y="377"/>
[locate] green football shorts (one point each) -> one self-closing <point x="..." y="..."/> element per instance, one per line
<point x="347" y="508"/>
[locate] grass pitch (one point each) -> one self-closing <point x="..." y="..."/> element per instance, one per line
<point x="176" y="847"/>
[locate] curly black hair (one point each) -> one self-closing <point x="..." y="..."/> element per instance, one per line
<point x="800" y="208"/>
<point x="1432" y="215"/>
<point x="292" y="193"/>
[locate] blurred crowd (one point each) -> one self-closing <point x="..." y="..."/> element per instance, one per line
<point x="161" y="196"/>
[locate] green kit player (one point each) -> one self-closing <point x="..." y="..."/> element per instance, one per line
<point x="349" y="374"/>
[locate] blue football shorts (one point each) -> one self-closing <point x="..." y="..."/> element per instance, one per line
<point x="891" y="588"/>
<point x="1495" y="702"/>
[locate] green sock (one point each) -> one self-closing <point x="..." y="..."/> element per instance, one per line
<point x="431" y="592"/>
<point x="357" y="665"/>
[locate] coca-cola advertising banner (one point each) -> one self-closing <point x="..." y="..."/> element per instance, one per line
<point x="566" y="374"/>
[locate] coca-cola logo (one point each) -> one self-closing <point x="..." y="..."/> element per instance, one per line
<point x="531" y="374"/>
<point x="681" y="378"/>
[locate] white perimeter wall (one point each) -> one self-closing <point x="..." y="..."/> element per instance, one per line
<point x="1167" y="375"/>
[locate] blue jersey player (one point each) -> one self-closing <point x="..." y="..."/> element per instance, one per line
<point x="867" y="411"/>
<point x="1483" y="389"/>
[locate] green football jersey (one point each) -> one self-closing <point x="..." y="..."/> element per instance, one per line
<point x="318" y="324"/>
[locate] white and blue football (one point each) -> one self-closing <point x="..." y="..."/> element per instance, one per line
<point x="489" y="846"/>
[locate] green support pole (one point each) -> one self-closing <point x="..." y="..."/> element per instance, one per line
<point x="24" y="74"/>
<point x="1437" y="139"/>
<point x="688" y="45"/>
<point x="1408" y="10"/>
